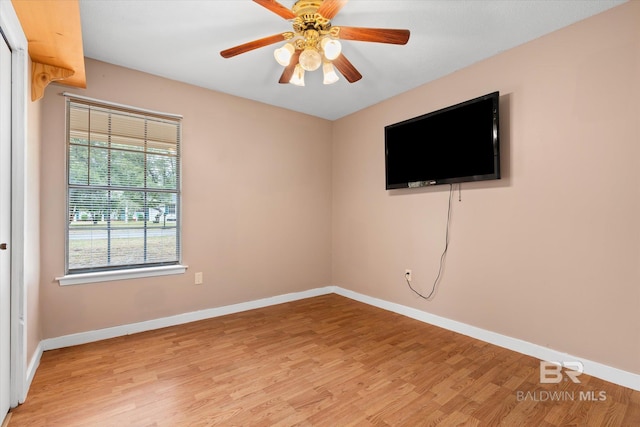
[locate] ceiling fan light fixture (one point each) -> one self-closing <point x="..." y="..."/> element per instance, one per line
<point x="310" y="59"/>
<point x="314" y="40"/>
<point x="331" y="47"/>
<point x="283" y="54"/>
<point x="330" y="75"/>
<point x="298" y="76"/>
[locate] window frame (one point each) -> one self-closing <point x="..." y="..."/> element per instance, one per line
<point x="101" y="274"/>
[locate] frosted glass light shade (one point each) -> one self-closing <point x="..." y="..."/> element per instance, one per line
<point x="331" y="47"/>
<point x="298" y="76"/>
<point x="283" y="55"/>
<point x="330" y="75"/>
<point x="310" y="59"/>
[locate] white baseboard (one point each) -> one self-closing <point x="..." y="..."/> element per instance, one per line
<point x="179" y="319"/>
<point x="31" y="370"/>
<point x="599" y="370"/>
<point x="595" y="369"/>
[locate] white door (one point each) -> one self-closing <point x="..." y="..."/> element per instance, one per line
<point x="5" y="223"/>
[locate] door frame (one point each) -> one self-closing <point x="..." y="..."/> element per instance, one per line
<point x="13" y="34"/>
<point x="5" y="224"/>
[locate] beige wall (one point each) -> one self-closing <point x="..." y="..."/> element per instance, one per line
<point x="550" y="254"/>
<point x="256" y="205"/>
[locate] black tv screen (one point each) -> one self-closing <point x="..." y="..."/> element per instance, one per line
<point x="456" y="144"/>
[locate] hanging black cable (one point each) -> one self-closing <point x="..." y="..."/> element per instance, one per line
<point x="444" y="252"/>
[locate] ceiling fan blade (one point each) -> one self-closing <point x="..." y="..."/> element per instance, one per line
<point x="276" y="8"/>
<point x="255" y="44"/>
<point x="377" y="35"/>
<point x="289" y="69"/>
<point x="330" y="8"/>
<point x="347" y="69"/>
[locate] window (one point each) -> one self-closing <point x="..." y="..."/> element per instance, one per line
<point x="123" y="187"/>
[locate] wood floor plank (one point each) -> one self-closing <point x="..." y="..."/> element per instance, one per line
<point x="323" y="361"/>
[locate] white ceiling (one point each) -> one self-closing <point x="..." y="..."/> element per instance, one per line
<point x="181" y="40"/>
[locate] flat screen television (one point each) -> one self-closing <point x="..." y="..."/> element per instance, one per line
<point x="459" y="143"/>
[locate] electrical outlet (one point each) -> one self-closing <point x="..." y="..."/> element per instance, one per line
<point x="407" y="275"/>
<point x="199" y="278"/>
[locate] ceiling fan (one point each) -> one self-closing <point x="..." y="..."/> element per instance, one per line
<point x="314" y="42"/>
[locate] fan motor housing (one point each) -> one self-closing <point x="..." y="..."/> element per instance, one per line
<point x="308" y="18"/>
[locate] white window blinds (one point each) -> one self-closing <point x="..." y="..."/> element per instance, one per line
<point x="123" y="199"/>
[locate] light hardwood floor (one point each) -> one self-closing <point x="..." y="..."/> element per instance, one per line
<point x="323" y="361"/>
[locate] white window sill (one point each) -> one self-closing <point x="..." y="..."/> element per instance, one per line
<point x="106" y="276"/>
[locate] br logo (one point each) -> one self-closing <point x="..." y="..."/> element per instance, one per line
<point x="552" y="372"/>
